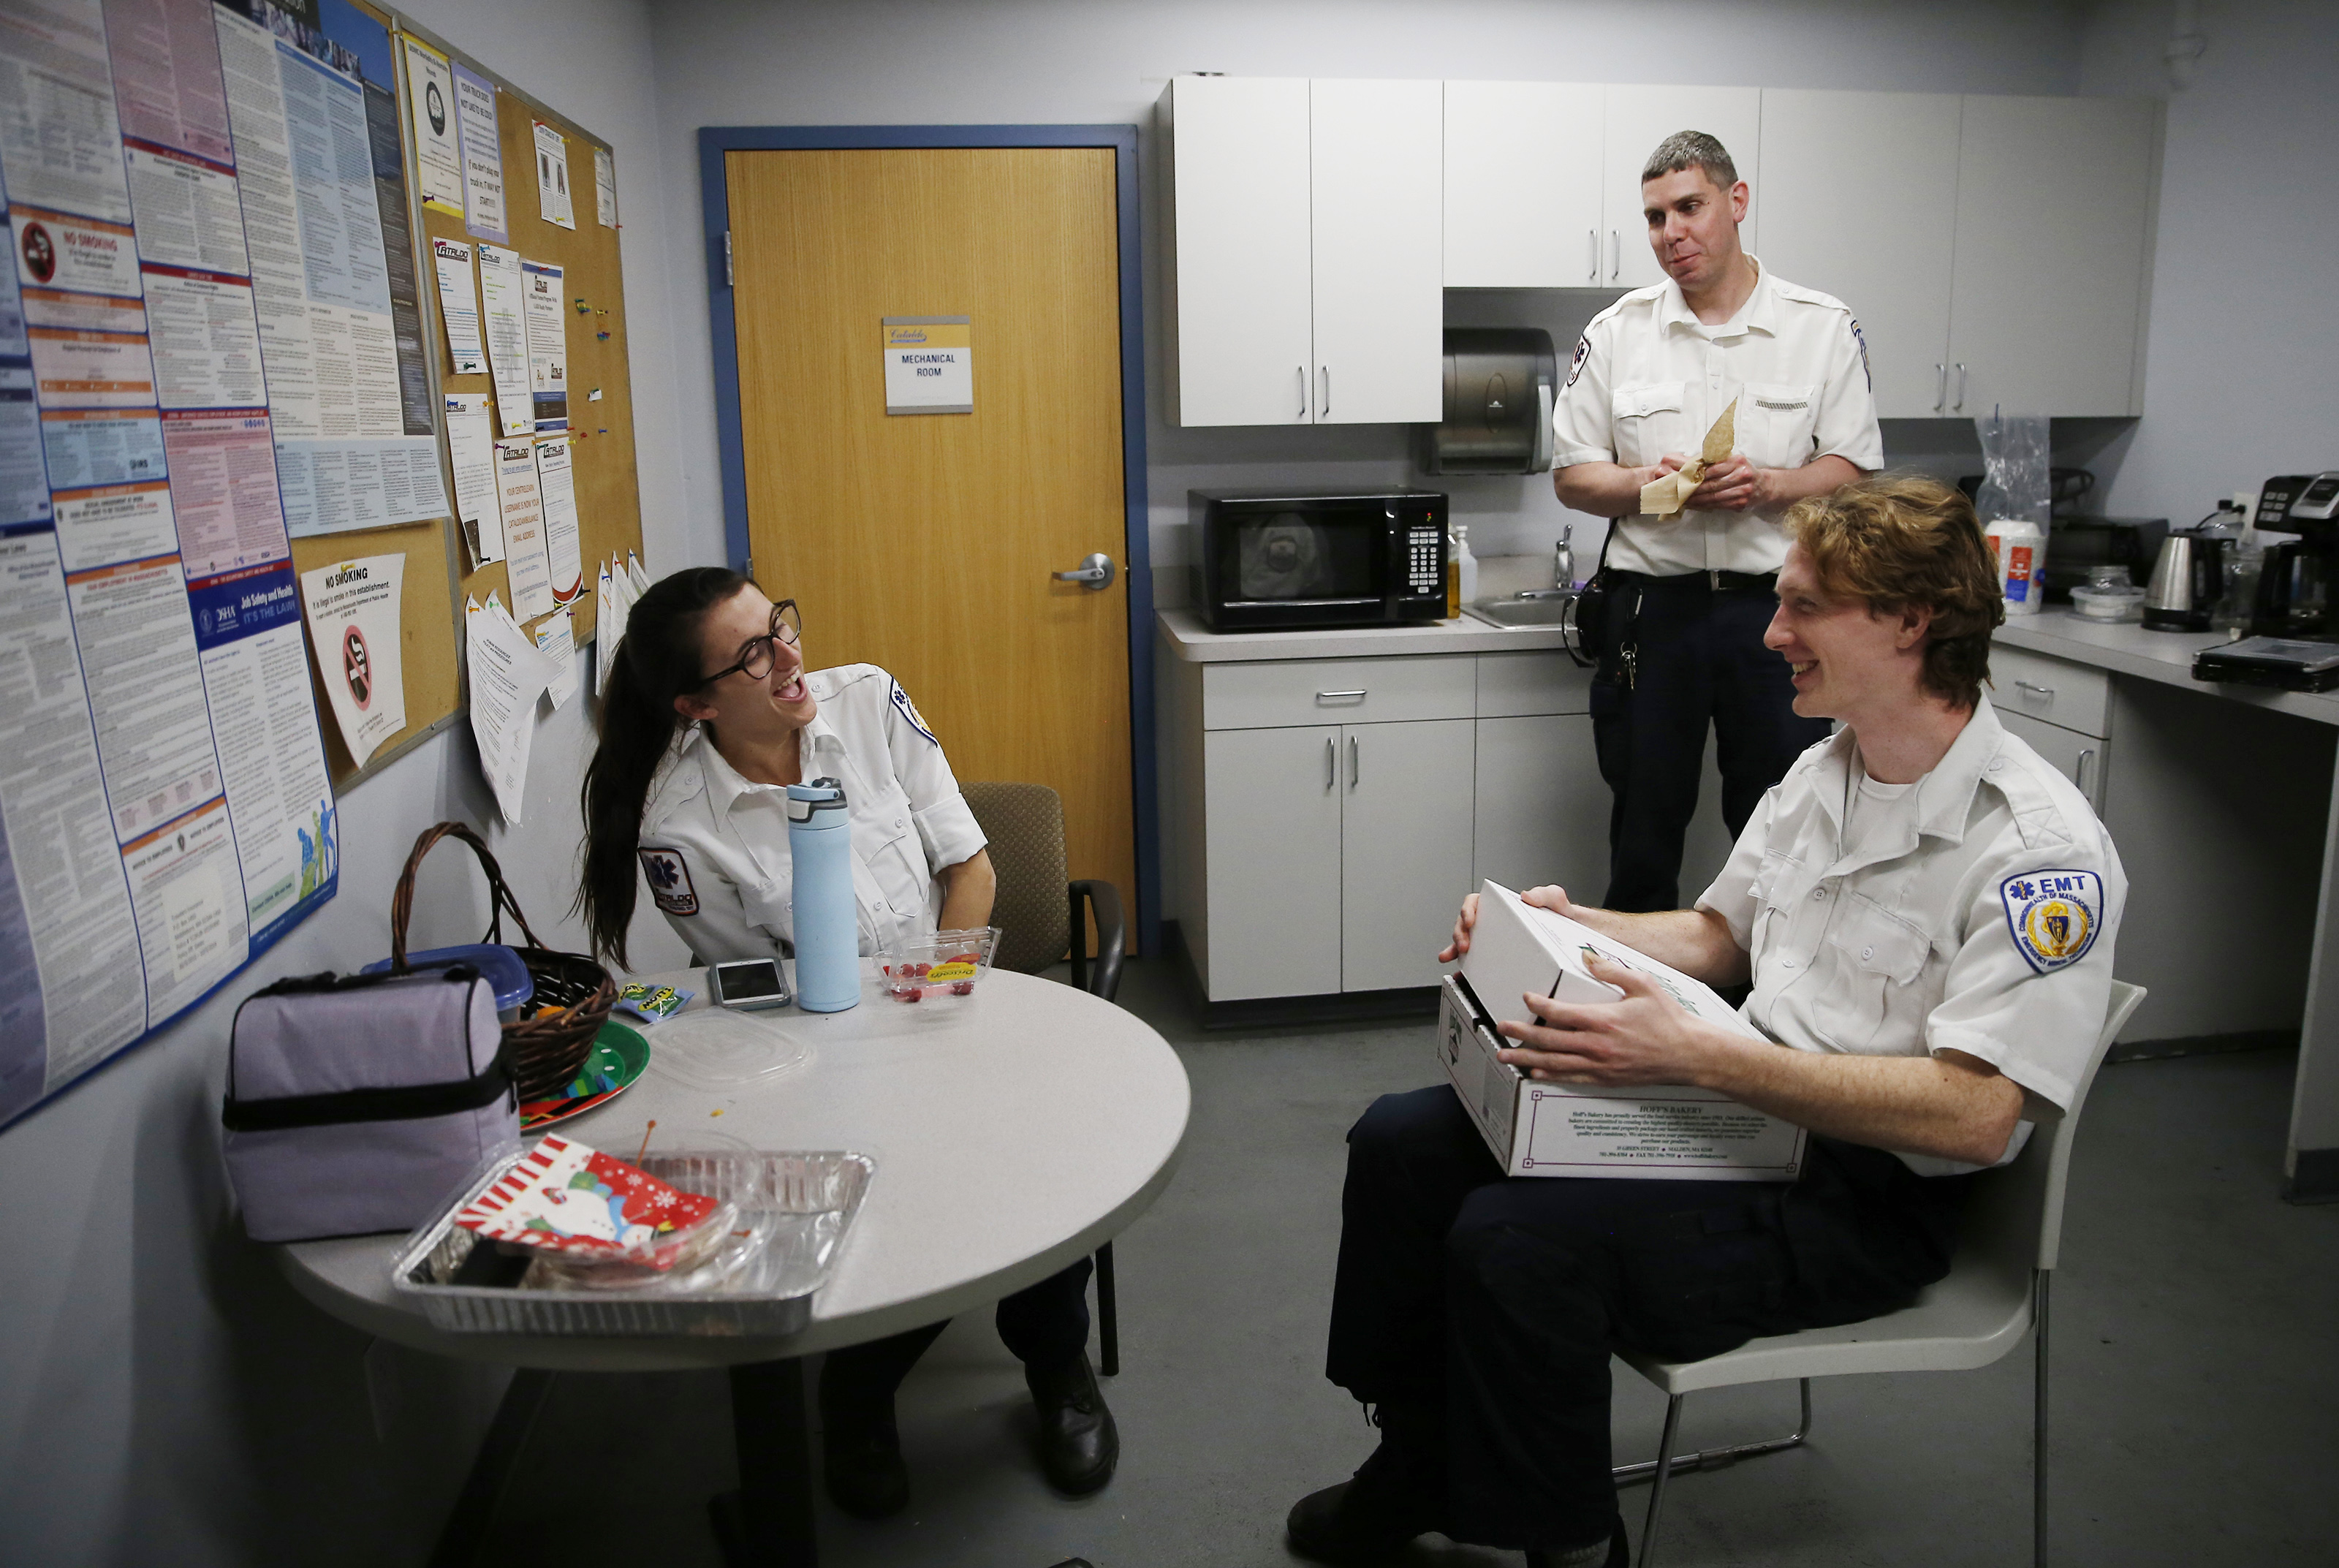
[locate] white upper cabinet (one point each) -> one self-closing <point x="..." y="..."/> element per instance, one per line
<point x="1523" y="184"/>
<point x="1636" y="120"/>
<point x="2054" y="236"/>
<point x="1243" y="345"/>
<point x="1835" y="167"/>
<point x="1377" y="213"/>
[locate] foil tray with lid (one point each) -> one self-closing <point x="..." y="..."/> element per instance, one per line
<point x="797" y="1209"/>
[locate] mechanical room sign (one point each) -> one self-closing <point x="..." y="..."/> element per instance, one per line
<point x="929" y="365"/>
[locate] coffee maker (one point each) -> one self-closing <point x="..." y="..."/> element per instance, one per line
<point x="2293" y="641"/>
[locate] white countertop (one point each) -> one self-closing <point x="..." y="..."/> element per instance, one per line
<point x="1196" y="643"/>
<point x="2130" y="649"/>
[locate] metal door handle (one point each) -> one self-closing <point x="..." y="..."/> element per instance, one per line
<point x="2086" y="759"/>
<point x="1301" y="371"/>
<point x="1324" y="404"/>
<point x="1615" y="255"/>
<point x="1960" y="404"/>
<point x="1329" y="696"/>
<point x="2034" y="686"/>
<point x="1331" y="763"/>
<point x="1094" y="574"/>
<point x="1592" y="248"/>
<point x="1940" y="385"/>
<point x="1355" y="772"/>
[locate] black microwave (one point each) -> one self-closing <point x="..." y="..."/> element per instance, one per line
<point x="1280" y="562"/>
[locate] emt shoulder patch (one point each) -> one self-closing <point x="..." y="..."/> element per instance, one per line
<point x="1575" y="365"/>
<point x="2053" y="915"/>
<point x="909" y="710"/>
<point x="669" y="876"/>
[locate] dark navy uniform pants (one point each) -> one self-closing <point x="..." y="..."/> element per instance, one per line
<point x="1696" y="657"/>
<point x="1479" y="1311"/>
<point x="1045" y="1324"/>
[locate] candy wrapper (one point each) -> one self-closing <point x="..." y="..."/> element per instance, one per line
<point x="592" y="1207"/>
<point x="1664" y="498"/>
<point x="652" y="1002"/>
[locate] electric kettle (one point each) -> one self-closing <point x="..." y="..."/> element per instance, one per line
<point x="2187" y="581"/>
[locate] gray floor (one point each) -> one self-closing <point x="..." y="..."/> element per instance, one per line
<point x="2196" y="1353"/>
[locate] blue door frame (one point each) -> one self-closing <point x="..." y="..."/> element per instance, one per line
<point x="715" y="141"/>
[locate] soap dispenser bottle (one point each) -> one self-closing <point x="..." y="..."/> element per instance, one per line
<point x="1461" y="572"/>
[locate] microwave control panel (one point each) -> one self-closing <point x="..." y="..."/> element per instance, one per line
<point x="1426" y="562"/>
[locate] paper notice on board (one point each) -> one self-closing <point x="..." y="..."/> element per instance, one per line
<point x="353" y="608"/>
<point x="437" y="138"/>
<point x="556" y="483"/>
<point x="547" y="344"/>
<point x="605" y="187"/>
<point x="552" y="198"/>
<point x="502" y="289"/>
<point x="556" y="639"/>
<point x="521" y="500"/>
<point x="608" y="628"/>
<point x="471" y="453"/>
<point x="639" y="574"/>
<point x="61" y="138"/>
<point x="483" y="157"/>
<point x="508" y="674"/>
<point x="458" y="307"/>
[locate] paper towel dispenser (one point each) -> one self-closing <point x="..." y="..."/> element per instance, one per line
<point x="1500" y="384"/>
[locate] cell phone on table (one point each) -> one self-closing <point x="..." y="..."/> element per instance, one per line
<point x="749" y="984"/>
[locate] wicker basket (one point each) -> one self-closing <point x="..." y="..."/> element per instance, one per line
<point x="542" y="1052"/>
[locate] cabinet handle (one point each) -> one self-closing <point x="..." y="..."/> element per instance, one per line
<point x="1324" y="404"/>
<point x="1334" y="697"/>
<point x="1301" y="371"/>
<point x="1356" y="773"/>
<point x="1592" y="253"/>
<point x="2034" y="686"/>
<point x="1940" y="385"/>
<point x="1960" y="404"/>
<point x="2087" y="766"/>
<point x="1615" y="255"/>
<point x="1331" y="763"/>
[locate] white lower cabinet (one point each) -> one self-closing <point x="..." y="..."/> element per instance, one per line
<point x="1272" y="803"/>
<point x="2084" y="759"/>
<point x="1405" y="848"/>
<point x="1542" y="807"/>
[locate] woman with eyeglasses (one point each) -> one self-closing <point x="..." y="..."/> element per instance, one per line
<point x="707" y="715"/>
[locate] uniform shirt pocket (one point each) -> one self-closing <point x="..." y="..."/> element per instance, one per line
<point x="1769" y="893"/>
<point x="1776" y="421"/>
<point x="1875" y="960"/>
<point x="1647" y="415"/>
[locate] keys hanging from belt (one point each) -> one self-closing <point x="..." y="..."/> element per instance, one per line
<point x="1632" y="660"/>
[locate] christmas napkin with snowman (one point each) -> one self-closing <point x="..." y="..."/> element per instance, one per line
<point x="563" y="1197"/>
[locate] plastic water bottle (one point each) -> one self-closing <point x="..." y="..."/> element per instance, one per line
<point x="826" y="919"/>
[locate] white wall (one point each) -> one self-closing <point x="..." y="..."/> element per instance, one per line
<point x="933" y="62"/>
<point x="165" y="1397"/>
<point x="2244" y="373"/>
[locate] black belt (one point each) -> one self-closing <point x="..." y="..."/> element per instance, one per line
<point x="1711" y="581"/>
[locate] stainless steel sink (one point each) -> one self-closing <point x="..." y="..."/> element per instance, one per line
<point x="1546" y="607"/>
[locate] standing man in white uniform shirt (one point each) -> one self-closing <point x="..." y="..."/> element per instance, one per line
<point x="1684" y="644"/>
<point x="1926" y="909"/>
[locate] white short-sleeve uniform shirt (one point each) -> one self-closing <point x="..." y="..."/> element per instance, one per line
<point x="1976" y="913"/>
<point x="1648" y="378"/>
<point x="715" y="846"/>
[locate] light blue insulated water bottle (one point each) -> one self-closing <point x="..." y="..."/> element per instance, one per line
<point x="826" y="920"/>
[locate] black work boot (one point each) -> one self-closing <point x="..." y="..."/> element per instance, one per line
<point x="861" y="1453"/>
<point x="1367" y="1518"/>
<point x="1078" y="1445"/>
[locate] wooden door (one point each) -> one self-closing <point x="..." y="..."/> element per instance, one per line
<point x="1638" y="119"/>
<point x="1404" y="847"/>
<point x="2054" y="234"/>
<point x="1241" y="353"/>
<point x="1376" y="171"/>
<point x="1831" y="162"/>
<point x="1523" y="184"/>
<point x="923" y="543"/>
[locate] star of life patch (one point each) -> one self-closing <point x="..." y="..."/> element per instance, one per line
<point x="909" y="710"/>
<point x="669" y="877"/>
<point x="1861" y="339"/>
<point x="2053" y="915"/>
<point x="1575" y="365"/>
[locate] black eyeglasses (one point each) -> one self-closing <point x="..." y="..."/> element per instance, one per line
<point x="756" y="654"/>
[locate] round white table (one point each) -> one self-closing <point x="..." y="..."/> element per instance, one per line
<point x="1015" y="1132"/>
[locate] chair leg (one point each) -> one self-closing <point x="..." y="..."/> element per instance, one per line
<point x="1657" y="1491"/>
<point x="2039" y="1425"/>
<point x="1108" y="1313"/>
<point x="1625" y="1475"/>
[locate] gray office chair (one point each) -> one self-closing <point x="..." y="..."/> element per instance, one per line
<point x="1042" y="916"/>
<point x="1994" y="1292"/>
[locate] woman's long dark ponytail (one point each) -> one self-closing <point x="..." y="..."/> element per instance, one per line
<point x="658" y="661"/>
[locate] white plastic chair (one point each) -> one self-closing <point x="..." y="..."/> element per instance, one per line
<point x="1994" y="1293"/>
